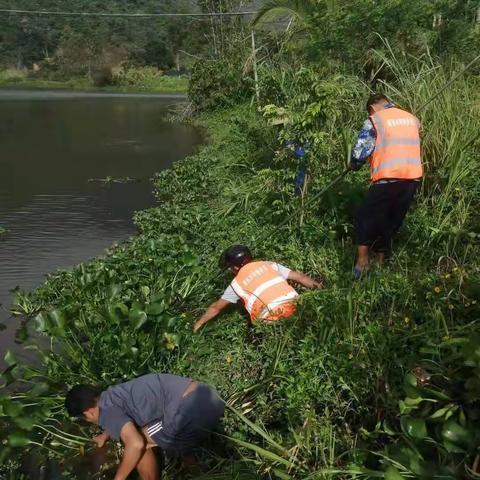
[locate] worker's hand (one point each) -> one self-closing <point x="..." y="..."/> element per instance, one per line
<point x="101" y="439"/>
<point x="318" y="284"/>
<point x="197" y="326"/>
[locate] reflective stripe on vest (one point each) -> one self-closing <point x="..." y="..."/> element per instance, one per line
<point x="397" y="147"/>
<point x="272" y="306"/>
<point x="262" y="289"/>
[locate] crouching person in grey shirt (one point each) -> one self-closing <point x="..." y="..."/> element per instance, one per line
<point x="171" y="412"/>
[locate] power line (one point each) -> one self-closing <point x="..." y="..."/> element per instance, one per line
<point x="129" y="15"/>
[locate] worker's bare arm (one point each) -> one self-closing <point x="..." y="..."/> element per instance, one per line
<point x="304" y="280"/>
<point x="134" y="449"/>
<point x="213" y="310"/>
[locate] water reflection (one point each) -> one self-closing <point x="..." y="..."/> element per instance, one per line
<point x="51" y="145"/>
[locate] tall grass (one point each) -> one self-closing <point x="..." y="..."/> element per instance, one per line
<point x="450" y="133"/>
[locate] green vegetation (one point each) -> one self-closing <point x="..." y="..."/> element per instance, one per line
<point x="374" y="379"/>
<point x="128" y="54"/>
<point x="139" y="79"/>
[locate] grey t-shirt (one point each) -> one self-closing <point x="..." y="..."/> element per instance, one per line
<point x="152" y="397"/>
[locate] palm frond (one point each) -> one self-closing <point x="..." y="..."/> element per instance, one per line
<point x="292" y="8"/>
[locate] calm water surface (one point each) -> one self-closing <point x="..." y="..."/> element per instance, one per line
<point x="51" y="144"/>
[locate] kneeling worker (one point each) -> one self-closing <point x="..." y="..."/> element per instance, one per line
<point x="171" y="412"/>
<point x="260" y="286"/>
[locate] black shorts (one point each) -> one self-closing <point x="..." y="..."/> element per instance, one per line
<point x="381" y="215"/>
<point x="198" y="414"/>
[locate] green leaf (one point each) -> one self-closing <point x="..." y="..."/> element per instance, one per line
<point x="10" y="408"/>
<point x="24" y="423"/>
<point x="413" y="392"/>
<point x="435" y="394"/>
<point x="10" y="359"/>
<point x="57" y="317"/>
<point x="387" y="429"/>
<point x="122" y="309"/>
<point x="412" y="402"/>
<point x="58" y="321"/>
<point x="4" y="454"/>
<point x="452" y="447"/>
<point x="117" y="312"/>
<point x="155" y="308"/>
<point x="41" y="323"/>
<point x="404" y="408"/>
<point x="18" y="440"/>
<point x="414" y="427"/>
<point x="189" y="259"/>
<point x="454" y="433"/>
<point x="16" y="372"/>
<point x="263" y="453"/>
<point x="113" y="291"/>
<point x="11" y="374"/>
<point x="391" y="473"/>
<point x="441" y="412"/>
<point x="137" y="318"/>
<point x="39" y="389"/>
<point x="86" y="279"/>
<point x="410" y="380"/>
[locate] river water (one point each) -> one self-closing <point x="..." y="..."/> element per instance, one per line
<point x="51" y="145"/>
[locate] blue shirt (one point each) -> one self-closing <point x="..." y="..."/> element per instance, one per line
<point x="365" y="144"/>
<point x="141" y="401"/>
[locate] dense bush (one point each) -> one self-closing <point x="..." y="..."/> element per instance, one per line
<point x="142" y="77"/>
<point x="216" y="84"/>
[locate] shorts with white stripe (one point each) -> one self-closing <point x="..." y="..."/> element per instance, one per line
<point x="198" y="414"/>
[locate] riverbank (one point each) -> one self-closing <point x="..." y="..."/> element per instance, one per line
<point x="319" y="377"/>
<point x="162" y="84"/>
<point x="357" y="369"/>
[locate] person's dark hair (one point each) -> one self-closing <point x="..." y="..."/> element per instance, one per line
<point x="81" y="398"/>
<point x="376" y="98"/>
<point x="235" y="256"/>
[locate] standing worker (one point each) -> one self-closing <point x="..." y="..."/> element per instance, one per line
<point x="260" y="286"/>
<point x="171" y="412"/>
<point x="390" y="137"/>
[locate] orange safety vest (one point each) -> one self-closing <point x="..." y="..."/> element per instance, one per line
<point x="397" y="148"/>
<point x="265" y="293"/>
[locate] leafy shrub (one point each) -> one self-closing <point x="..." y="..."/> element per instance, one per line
<point x="137" y="76"/>
<point x="217" y="84"/>
<point x="439" y="417"/>
<point x="149" y="79"/>
<point x="12" y="75"/>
